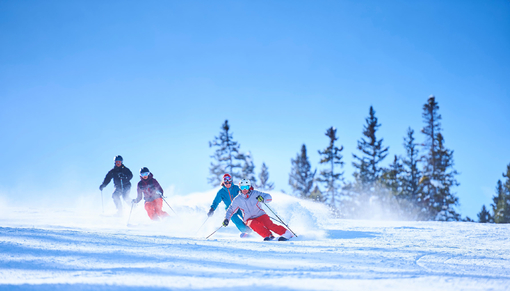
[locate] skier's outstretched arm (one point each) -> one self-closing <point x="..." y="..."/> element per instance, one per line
<point x="106" y="180"/>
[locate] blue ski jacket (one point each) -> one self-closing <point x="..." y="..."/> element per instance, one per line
<point x="226" y="195"/>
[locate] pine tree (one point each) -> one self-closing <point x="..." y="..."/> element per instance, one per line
<point x="484" y="216"/>
<point x="438" y="173"/>
<point x="226" y="157"/>
<point x="392" y="177"/>
<point x="248" y="170"/>
<point x="393" y="196"/>
<point x="367" y="191"/>
<point x="367" y="165"/>
<point x="264" y="179"/>
<point x="500" y="194"/>
<point x="301" y="177"/>
<point x="328" y="177"/>
<point x="404" y="179"/>
<point x="411" y="173"/>
<point x="502" y="214"/>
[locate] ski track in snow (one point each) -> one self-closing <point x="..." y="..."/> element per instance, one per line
<point x="80" y="249"/>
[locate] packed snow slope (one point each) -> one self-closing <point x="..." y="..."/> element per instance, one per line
<point x="84" y="249"/>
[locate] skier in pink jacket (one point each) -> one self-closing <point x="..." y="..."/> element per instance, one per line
<point x="249" y="202"/>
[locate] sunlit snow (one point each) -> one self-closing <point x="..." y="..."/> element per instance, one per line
<point x="81" y="248"/>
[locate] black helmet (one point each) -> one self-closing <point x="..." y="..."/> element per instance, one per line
<point x="118" y="158"/>
<point x="144" y="170"/>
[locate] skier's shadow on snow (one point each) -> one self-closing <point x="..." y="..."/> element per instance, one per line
<point x="349" y="234"/>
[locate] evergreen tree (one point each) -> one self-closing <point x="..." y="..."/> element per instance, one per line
<point x="411" y="173"/>
<point x="226" y="157"/>
<point x="502" y="214"/>
<point x="438" y="173"/>
<point x="264" y="179"/>
<point x="248" y="170"/>
<point x="367" y="193"/>
<point x="367" y="165"/>
<point x="392" y="177"/>
<point x="393" y="194"/>
<point x="484" y="216"/>
<point x="500" y="194"/>
<point x="328" y="177"/>
<point x="301" y="177"/>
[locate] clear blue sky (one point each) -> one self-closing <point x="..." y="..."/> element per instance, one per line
<point x="83" y="81"/>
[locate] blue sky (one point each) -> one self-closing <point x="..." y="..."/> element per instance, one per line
<point x="83" y="81"/>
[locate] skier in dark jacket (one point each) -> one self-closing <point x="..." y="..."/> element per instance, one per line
<point x="121" y="176"/>
<point x="152" y="194"/>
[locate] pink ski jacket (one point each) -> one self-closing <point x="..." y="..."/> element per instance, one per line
<point x="248" y="204"/>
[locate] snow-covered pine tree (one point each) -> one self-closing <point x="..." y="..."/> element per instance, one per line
<point x="438" y="173"/>
<point x="265" y="185"/>
<point x="410" y="177"/>
<point x="301" y="177"/>
<point x="502" y="214"/>
<point x="395" y="199"/>
<point x="248" y="170"/>
<point x="226" y="157"/>
<point x="392" y="178"/>
<point x="367" y="165"/>
<point x="366" y="188"/>
<point x="484" y="216"/>
<point x="330" y="178"/>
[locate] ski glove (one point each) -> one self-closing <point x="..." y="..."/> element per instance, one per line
<point x="210" y="213"/>
<point x="101" y="187"/>
<point x="225" y="222"/>
<point x="260" y="198"/>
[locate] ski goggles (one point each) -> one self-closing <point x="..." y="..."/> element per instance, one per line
<point x="145" y="174"/>
<point x="227" y="179"/>
<point x="245" y="187"/>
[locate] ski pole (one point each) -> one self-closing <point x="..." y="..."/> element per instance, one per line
<point x="279" y="218"/>
<point x="202" y="225"/>
<point x="129" y="218"/>
<point x="167" y="203"/>
<point x="213" y="232"/>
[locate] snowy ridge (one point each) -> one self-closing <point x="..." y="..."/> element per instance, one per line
<point x="81" y="249"/>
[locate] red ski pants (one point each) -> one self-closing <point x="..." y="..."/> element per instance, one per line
<point x="154" y="209"/>
<point x="263" y="226"/>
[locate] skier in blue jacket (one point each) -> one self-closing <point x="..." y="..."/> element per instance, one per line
<point x="227" y="193"/>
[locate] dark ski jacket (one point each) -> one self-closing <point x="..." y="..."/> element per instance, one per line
<point x="121" y="177"/>
<point x="226" y="195"/>
<point x="150" y="189"/>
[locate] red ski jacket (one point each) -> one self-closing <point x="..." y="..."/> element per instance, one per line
<point x="150" y="188"/>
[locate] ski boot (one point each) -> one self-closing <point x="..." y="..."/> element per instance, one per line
<point x="270" y="237"/>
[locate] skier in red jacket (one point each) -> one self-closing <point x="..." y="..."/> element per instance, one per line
<point x="152" y="194"/>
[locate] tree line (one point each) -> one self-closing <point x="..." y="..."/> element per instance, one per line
<point x="501" y="202"/>
<point x="415" y="186"/>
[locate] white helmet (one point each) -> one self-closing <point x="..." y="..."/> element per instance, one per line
<point x="244" y="182"/>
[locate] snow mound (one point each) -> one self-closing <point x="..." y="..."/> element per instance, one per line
<point x="187" y="216"/>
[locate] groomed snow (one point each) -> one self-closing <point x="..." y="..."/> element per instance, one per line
<point x="80" y="248"/>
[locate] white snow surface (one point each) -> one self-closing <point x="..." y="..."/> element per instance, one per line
<point x="81" y="248"/>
